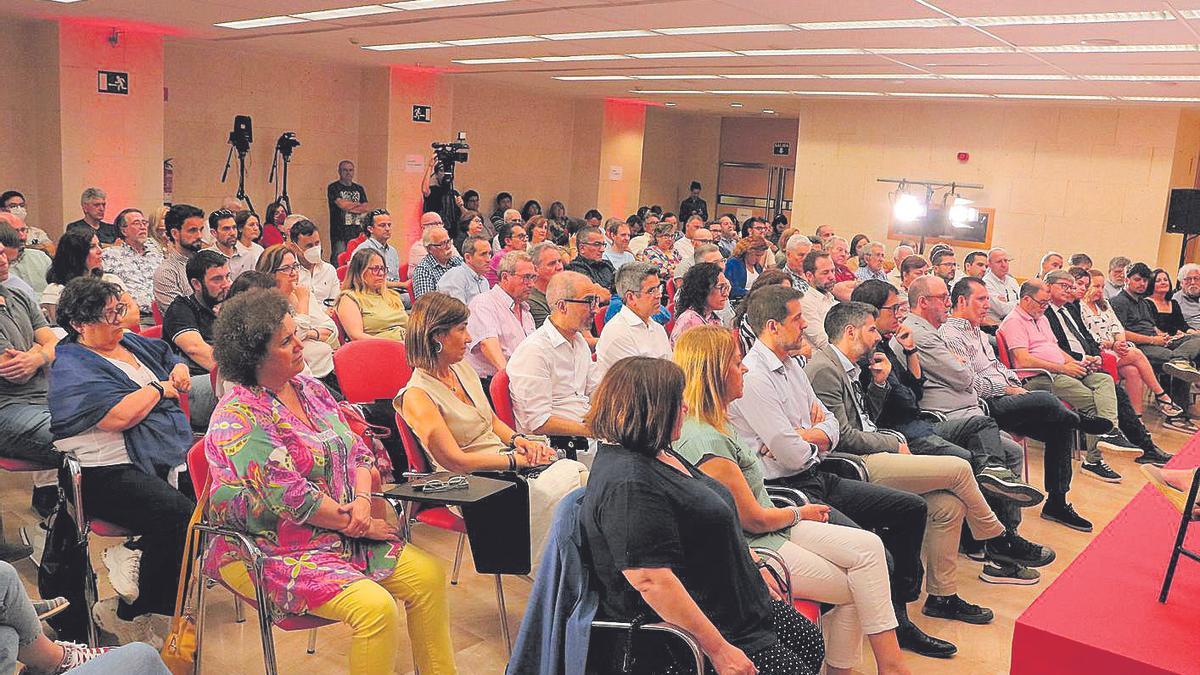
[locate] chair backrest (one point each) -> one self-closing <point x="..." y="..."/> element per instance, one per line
<point x="417" y="462"/>
<point x="156" y="312"/>
<point x="1002" y="350"/>
<point x="341" y="270"/>
<point x="368" y="370"/>
<point x="598" y="319"/>
<point x="404" y="271"/>
<point x="353" y="244"/>
<point x="501" y="399"/>
<point x="343" y="258"/>
<point x="152" y="331"/>
<point x="197" y="463"/>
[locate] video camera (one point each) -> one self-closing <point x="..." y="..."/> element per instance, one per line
<point x="449" y="154"/>
<point x="242" y="135"/>
<point x="286" y="143"/>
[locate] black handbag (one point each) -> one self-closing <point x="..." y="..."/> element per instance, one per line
<point x="63" y="573"/>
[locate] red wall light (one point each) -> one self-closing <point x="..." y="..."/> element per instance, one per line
<point x="964" y="156"/>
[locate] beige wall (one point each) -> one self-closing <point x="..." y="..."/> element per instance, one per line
<point x="1061" y="178"/>
<point x="679" y="147"/>
<point x="29" y="130"/>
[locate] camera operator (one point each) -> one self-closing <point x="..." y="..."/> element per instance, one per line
<point x="347" y="205"/>
<point x="440" y="196"/>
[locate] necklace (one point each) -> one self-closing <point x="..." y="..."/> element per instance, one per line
<point x="452" y="384"/>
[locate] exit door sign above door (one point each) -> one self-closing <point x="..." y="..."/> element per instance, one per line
<point x="782" y="149"/>
<point x="112" y="82"/>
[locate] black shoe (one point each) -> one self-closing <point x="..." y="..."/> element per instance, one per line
<point x="1090" y="424"/>
<point x="916" y="641"/>
<point x="1064" y="514"/>
<point x="1100" y="470"/>
<point x="973" y="551"/>
<point x="1013" y="549"/>
<point x="11" y="552"/>
<point x="1000" y="482"/>
<point x="1005" y="573"/>
<point x="954" y="607"/>
<point x="44" y="500"/>
<point x="1154" y="455"/>
<point x="1119" y="441"/>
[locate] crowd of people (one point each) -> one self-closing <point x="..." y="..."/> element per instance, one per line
<point x="674" y="367"/>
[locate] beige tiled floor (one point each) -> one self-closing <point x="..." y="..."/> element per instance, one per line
<point x="234" y="648"/>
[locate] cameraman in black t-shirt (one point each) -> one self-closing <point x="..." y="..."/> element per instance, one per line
<point x="440" y="196"/>
<point x="347" y="204"/>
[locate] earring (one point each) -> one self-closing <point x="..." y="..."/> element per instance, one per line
<point x="437" y="347"/>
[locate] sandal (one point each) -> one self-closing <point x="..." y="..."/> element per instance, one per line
<point x="1177" y="498"/>
<point x="1166" y="406"/>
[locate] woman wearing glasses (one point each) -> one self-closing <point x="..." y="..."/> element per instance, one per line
<point x="703" y="292"/>
<point x="368" y="308"/>
<point x="662" y="252"/>
<point x="79" y="254"/>
<point x="316" y="330"/>
<point x="114" y="406"/>
<point x="512" y="238"/>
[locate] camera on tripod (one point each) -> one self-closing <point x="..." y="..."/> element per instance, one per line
<point x="242" y="135"/>
<point x="287" y="143"/>
<point x="449" y="154"/>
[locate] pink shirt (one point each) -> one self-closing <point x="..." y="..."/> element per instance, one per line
<point x="492" y="316"/>
<point x="1022" y="331"/>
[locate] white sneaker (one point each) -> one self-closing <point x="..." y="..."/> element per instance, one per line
<point x="149" y="628"/>
<point x="124" y="566"/>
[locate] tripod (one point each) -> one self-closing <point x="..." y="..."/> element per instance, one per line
<point x="241" y="153"/>
<point x="282" y="196"/>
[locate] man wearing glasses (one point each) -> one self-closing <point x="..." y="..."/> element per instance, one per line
<point x="945" y="267"/>
<point x="134" y="259"/>
<point x="699" y="236"/>
<point x="500" y="318"/>
<point x="551" y="373"/>
<point x="441" y="259"/>
<point x="633" y="332"/>
<point x="591" y="263"/>
<point x="873" y="269"/>
<point x="1189" y="295"/>
<point x="187" y="326"/>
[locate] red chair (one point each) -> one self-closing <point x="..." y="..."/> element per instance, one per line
<point x="341" y="332"/>
<point x="403" y="271"/>
<point x="343" y="259"/>
<point x="598" y="320"/>
<point x="158" y="319"/>
<point x="368" y="370"/>
<point x="502" y="399"/>
<point x="198" y="471"/>
<point x="1109" y="360"/>
<point x="351" y="245"/>
<point x="341" y="270"/>
<point x="152" y="331"/>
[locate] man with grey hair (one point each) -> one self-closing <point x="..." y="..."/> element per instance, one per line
<point x="551" y="373"/>
<point x="899" y="254"/>
<point x="500" y="318"/>
<point x="469" y="279"/>
<point x="441" y="259"/>
<point x="417" y="252"/>
<point x="873" y="255"/>
<point x="28" y="264"/>
<point x="590" y="262"/>
<point x="1189" y="295"/>
<point x="633" y="331"/>
<point x="1115" y="283"/>
<point x="685" y="245"/>
<point x="699" y="236"/>
<point x="94" y="201"/>
<point x="547" y="261"/>
<point x="1053" y="260"/>
<point x="1002" y="287"/>
<point x="839" y="252"/>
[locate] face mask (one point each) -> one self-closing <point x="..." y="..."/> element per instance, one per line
<point x="19" y="211"/>
<point x="313" y="255"/>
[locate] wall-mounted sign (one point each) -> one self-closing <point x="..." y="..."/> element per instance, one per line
<point x="423" y="113"/>
<point x="112" y="82"/>
<point x="616" y="172"/>
<point x="782" y="149"/>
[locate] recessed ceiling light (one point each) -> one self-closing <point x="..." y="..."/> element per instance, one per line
<point x="943" y="50"/>
<point x="345" y="12"/>
<point x="800" y="52"/>
<point x="598" y="35"/>
<point x="676" y="77"/>
<point x="1051" y="19"/>
<point x="503" y="40"/>
<point x="837" y="93"/>
<point x="881" y="76"/>
<point x="489" y="62"/>
<point x="1002" y="76"/>
<point x="748" y="92"/>
<point x="772" y="76"/>
<point x="591" y="78"/>
<point x="768" y="111"/>
<point x="581" y="57"/>
<point x="406" y="46"/>
<point x="1161" y="99"/>
<point x="1097" y="49"/>
<point x="260" y="23"/>
<point x="670" y="104"/>
<point x="881" y="23"/>
<point x="64" y="2"/>
<point x="717" y="30"/>
<point x="922" y="94"/>
<point x="1143" y="78"/>
<point x="681" y="55"/>
<point x="1059" y="97"/>
<point x="413" y="5"/>
<point x="735" y="105"/>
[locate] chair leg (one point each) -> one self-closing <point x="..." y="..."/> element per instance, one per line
<point x="81" y="525"/>
<point x="1184" y="521"/>
<point x="457" y="559"/>
<point x="264" y="626"/>
<point x="202" y="585"/>
<point x="239" y="611"/>
<point x="503" y="615"/>
<point x="312" y="641"/>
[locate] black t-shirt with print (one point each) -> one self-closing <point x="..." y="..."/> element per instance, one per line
<point x="343" y="225"/>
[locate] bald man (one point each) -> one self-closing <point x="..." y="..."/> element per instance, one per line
<point x="417" y="252"/>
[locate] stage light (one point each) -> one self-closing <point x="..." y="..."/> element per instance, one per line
<point x="961" y="214"/>
<point x="907" y="208"/>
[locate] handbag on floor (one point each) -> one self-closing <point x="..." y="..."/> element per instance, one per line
<point x="179" y="647"/>
<point x="61" y="573"/>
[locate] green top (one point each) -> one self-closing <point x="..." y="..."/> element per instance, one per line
<point x="699" y="441"/>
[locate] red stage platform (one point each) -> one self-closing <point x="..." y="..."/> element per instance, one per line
<point x="1102" y="614"/>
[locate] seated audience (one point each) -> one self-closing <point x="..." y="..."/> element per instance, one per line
<point x="133" y="260"/>
<point x="368" y="307"/>
<point x="1168" y="317"/>
<point x="703" y="293"/>
<point x="13" y="202"/>
<point x="1001" y="286"/>
<point x="538" y="228"/>
<point x="1116" y="276"/>
<point x="1050" y="262"/>
<point x="440" y="259"/>
<point x="664" y="538"/>
<point x="796" y="249"/>
<point x="1082" y="260"/>
<point x="314" y="328"/>
<point x="78" y="255"/>
<point x="446" y="406"/>
<point x="10" y="242"/>
<point x="727" y="234"/>
<point x="975" y="265"/>
<point x="1188" y="296"/>
<point x="503" y="203"/>
<point x="839" y="251"/>
<point x="272" y="224"/>
<point x="913" y="268"/>
<point x="899" y="255"/>
<point x="93" y="202"/>
<point x="417" y="252"/>
<point x="158" y="227"/>
<point x="114" y="406"/>
<point x="700" y="236"/>
<point x="556" y="214"/>
<point x="840" y="565"/>
<point x="551" y="372"/>
<point x="633" y="332"/>
<point x="222" y="225"/>
<point x="857" y="248"/>
<point x="817" y="296"/>
<point x="619" y="232"/>
<point x="26" y="262"/>
<point x="184" y="226"/>
<point x="756" y="230"/>
<point x="547" y="261"/>
<point x="315" y="274"/>
<point x="187" y="326"/>
<point x="660" y="251"/>
<point x="591" y="263"/>
<point x="944" y="266"/>
<point x="744" y="266"/>
<point x="378" y="226"/>
<point x="511" y="237"/>
<point x="500" y="318"/>
<point x="287" y="471"/>
<point x="469" y="279"/>
<point x="872" y="268"/>
<point x="248" y="230"/>
<point x="683" y="245"/>
<point x="470" y="225"/>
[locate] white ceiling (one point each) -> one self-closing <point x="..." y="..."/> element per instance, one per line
<point x="980" y="55"/>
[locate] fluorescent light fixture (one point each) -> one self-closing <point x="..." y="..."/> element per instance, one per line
<point x="772" y="76"/>
<point x="64" y="2"/>
<point x="681" y="55"/>
<point x="260" y="23"/>
<point x="491" y="62"/>
<point x="718" y="30"/>
<point x="748" y="92"/>
<point x="1143" y="78"/>
<point x="406" y="46"/>
<point x="1190" y="13"/>
<point x="801" y="52"/>
<point x="670" y="104"/>
<point x="676" y="77"/>
<point x="591" y="78"/>
<point x="1057" y="97"/>
<point x="502" y="40"/>
<point x="1055" y="19"/>
<point x="931" y="94"/>
<point x="1099" y="49"/>
<point x="735" y="105"/>
<point x="598" y="35"/>
<point x="837" y="93"/>
<point x="1002" y="76"/>
<point x="881" y="23"/>
<point x="1161" y="99"/>
<point x="666" y="91"/>
<point x="580" y="57"/>
<point x="881" y="76"/>
<point x="943" y="50"/>
<point x="413" y="5"/>
<point x="345" y="12"/>
<point x="768" y="111"/>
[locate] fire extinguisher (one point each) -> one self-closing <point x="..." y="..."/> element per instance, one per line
<point x="168" y="181"/>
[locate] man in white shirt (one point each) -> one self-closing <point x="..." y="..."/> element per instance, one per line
<point x="551" y="372"/>
<point x="640" y="242"/>
<point x="322" y="278"/>
<point x="469" y="279"/>
<point x="500" y="318"/>
<point x="632" y="332"/>
<point x="618" y="252"/>
<point x="684" y="246"/>
<point x="818" y="272"/>
<point x="699" y="237"/>
<point x="1116" y="276"/>
<point x="1003" y="289"/>
<point x="898" y="255"/>
<point x="417" y="252"/>
<point x="1189" y="295"/>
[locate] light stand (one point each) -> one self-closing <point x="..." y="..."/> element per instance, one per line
<point x="930" y="186"/>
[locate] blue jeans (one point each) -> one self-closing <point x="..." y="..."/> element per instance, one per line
<point x="135" y="658"/>
<point x="25" y="428"/>
<point x="19" y="625"/>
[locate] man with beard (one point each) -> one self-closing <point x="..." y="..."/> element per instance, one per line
<point x="185" y="227"/>
<point x="224" y="232"/>
<point x="819" y="274"/>
<point x="945" y="267"/>
<point x="187" y="326"/>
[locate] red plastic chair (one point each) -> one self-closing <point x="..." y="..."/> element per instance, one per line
<point x="403" y="271"/>
<point x="152" y="331"/>
<point x="368" y="370"/>
<point x="502" y="399"/>
<point x="351" y="245"/>
<point x="1109" y="360"/>
<point x="341" y="270"/>
<point x="598" y="320"/>
<point x="158" y="319"/>
<point x="198" y="471"/>
<point x="343" y="259"/>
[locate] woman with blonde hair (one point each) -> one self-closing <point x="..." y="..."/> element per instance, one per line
<point x="833" y="564"/>
<point x="367" y="307"/>
<point x="158" y="225"/>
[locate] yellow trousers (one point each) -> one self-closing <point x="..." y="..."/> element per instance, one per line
<point x="370" y="609"/>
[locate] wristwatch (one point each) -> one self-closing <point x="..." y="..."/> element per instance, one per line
<point x="162" y="393"/>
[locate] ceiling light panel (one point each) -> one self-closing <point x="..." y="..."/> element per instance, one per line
<point x="802" y="52"/>
<point x="1003" y="76"/>
<point x="676" y="77"/>
<point x="718" y="30"/>
<point x="591" y="78"/>
<point x="748" y="92"/>
<point x="581" y="57"/>
<point x="599" y="35"/>
<point x="264" y="22"/>
<point x="1057" y="97"/>
<point x="1143" y="78"/>
<point x="345" y="12"/>
<point x="1102" y="49"/>
<point x="773" y="76"/>
<point x="881" y="76"/>
<point x="926" y="94"/>
<point x="492" y="62"/>
<point x="405" y="46"/>
<point x="1060" y="19"/>
<point x="1161" y="99"/>
<point x="413" y="5"/>
<point x="837" y="93"/>
<point x="504" y="40"/>
<point x="876" y="24"/>
<point x="666" y="91"/>
<point x="682" y="55"/>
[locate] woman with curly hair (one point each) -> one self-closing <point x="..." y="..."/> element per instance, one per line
<point x="703" y="292"/>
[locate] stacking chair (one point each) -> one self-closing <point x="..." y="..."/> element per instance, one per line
<point x="1005" y="357"/>
<point x="501" y="399"/>
<point x="1187" y="508"/>
<point x="368" y="370"/>
<point x="154" y="331"/>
